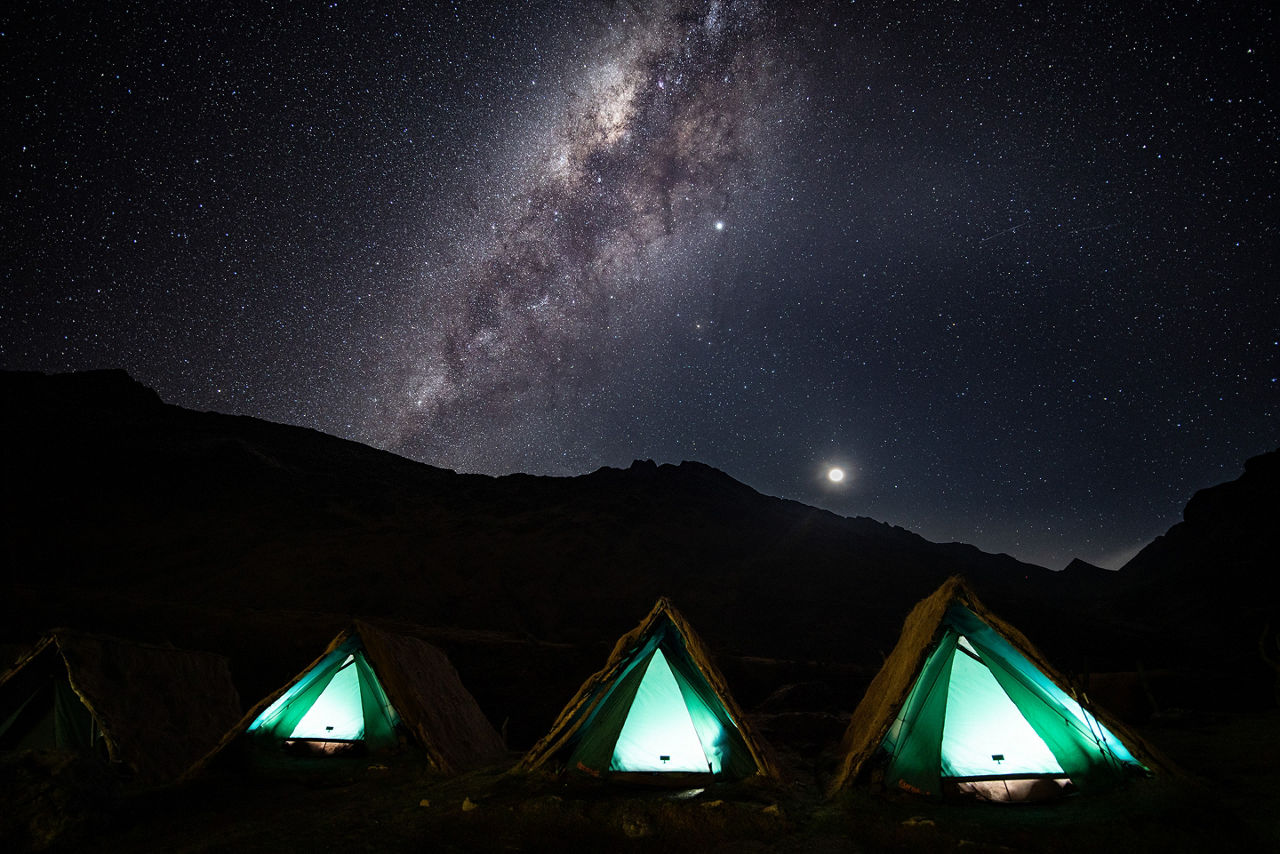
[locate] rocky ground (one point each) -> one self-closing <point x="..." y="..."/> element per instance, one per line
<point x="1229" y="800"/>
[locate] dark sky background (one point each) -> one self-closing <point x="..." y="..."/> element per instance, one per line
<point x="1011" y="265"/>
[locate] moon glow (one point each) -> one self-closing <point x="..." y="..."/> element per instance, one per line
<point x="835" y="475"/>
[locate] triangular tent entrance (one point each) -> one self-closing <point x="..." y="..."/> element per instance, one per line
<point x="368" y="688"/>
<point x="154" y="709"/>
<point x="658" y="707"/>
<point x="338" y="701"/>
<point x="965" y="700"/>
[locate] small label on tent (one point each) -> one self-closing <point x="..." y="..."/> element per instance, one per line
<point x="997" y="757"/>
<point x="664" y="758"/>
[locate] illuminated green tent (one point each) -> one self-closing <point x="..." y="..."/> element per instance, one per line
<point x="339" y="699"/>
<point x="374" y="688"/>
<point x="152" y="709"/>
<point x="658" y="707"/>
<point x="965" y="702"/>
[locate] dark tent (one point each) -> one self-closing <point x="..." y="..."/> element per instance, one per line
<point x="154" y="709"/>
<point x="367" y="688"/>
<point x="965" y="702"/>
<point x="659" y="706"/>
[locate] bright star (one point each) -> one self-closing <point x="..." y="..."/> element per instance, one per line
<point x="719" y="225"/>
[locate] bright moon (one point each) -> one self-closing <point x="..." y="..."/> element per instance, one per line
<point x="835" y="475"/>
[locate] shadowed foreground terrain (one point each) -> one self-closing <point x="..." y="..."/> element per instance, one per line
<point x="126" y="516"/>
<point x="1230" y="803"/>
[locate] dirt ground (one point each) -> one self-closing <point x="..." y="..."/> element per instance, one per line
<point x="1229" y="800"/>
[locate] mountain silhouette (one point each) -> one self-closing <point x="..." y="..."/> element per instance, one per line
<point x="129" y="515"/>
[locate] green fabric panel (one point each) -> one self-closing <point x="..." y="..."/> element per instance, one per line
<point x="51" y="714"/>
<point x="282" y="717"/>
<point x="916" y="736"/>
<point x="1081" y="754"/>
<point x="1078" y="755"/>
<point x="596" y="738"/>
<point x="997" y="646"/>
<point x="73" y="725"/>
<point x="593" y="743"/>
<point x="960" y="712"/>
<point x="1088" y="753"/>
<point x="336" y="712"/>
<point x="27" y="701"/>
<point x="658" y="733"/>
<point x="347" y="695"/>
<point x="711" y="722"/>
<point x="982" y="722"/>
<point x="722" y="743"/>
<point x="22" y="728"/>
<point x="380" y="718"/>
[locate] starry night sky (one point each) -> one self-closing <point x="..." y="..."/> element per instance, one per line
<point x="1013" y="266"/>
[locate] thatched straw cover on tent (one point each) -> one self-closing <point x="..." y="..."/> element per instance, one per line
<point x="921" y="632"/>
<point x="422" y="687"/>
<point x="156" y="709"/>
<point x="597" y="707"/>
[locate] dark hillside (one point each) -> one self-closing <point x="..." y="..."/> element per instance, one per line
<point x="127" y="515"/>
<point x="1210" y="587"/>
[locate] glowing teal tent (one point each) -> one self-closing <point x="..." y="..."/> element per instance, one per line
<point x="965" y="702"/>
<point x="658" y="707"/>
<point x="338" y="700"/>
<point x="375" y="689"/>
